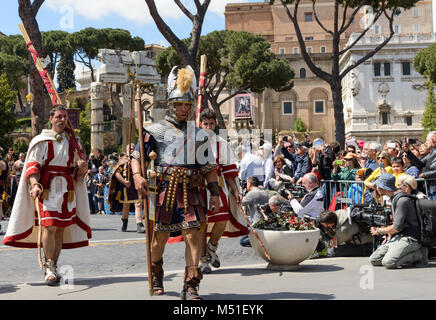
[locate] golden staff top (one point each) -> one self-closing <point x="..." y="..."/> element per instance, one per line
<point x="54" y="95"/>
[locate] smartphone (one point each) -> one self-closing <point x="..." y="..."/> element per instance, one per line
<point x="318" y="143"/>
<point x="382" y="165"/>
<point x="339" y="162"/>
<point x="391" y="145"/>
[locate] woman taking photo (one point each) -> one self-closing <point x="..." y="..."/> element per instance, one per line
<point x="384" y="165"/>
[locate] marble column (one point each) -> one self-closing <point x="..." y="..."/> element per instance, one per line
<point x="97" y="124"/>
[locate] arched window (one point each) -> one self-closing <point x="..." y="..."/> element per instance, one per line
<point x="302" y="73"/>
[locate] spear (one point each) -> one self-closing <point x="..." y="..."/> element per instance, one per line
<point x="54" y="95"/>
<point x="201" y="88"/>
<point x="147" y="196"/>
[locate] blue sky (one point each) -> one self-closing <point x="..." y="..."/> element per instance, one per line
<point x="133" y="15"/>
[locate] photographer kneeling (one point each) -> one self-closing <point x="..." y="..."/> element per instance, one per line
<point x="312" y="203"/>
<point x="348" y="238"/>
<point x="404" y="247"/>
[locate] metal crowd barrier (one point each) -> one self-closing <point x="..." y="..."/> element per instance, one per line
<point x="351" y="191"/>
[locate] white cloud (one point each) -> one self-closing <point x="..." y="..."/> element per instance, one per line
<point x="134" y="10"/>
<point x="218" y="6"/>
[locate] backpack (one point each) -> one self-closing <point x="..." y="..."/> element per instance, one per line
<point x="426" y="211"/>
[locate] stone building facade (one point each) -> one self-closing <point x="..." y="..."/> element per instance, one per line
<point x="311" y="97"/>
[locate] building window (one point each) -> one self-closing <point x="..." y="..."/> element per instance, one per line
<point x="309" y="49"/>
<point x="397" y="29"/>
<point x="302" y="73"/>
<point x="323" y="49"/>
<point x="308" y="16"/>
<point x="384" y="118"/>
<point x="319" y="106"/>
<point x="377" y="29"/>
<point x="416" y="27"/>
<point x="380" y="68"/>
<point x="377" y="69"/>
<point x="287" y="107"/>
<point x="282" y="51"/>
<point x="406" y="68"/>
<point x="308" y="38"/>
<point x="408" y="120"/>
<point x="416" y="12"/>
<point x="387" y="68"/>
<point x="295" y="50"/>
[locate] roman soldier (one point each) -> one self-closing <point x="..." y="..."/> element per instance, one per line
<point x="227" y="221"/>
<point x="122" y="193"/>
<point x="54" y="177"/>
<point x="181" y="168"/>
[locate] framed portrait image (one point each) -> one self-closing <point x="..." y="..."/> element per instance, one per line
<point x="243" y="106"/>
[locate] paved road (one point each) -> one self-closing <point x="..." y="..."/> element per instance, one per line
<point x="111" y="252"/>
<point x="113" y="267"/>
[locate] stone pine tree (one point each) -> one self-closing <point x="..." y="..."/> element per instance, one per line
<point x="237" y="62"/>
<point x="65" y="73"/>
<point x="7" y="120"/>
<point x="345" y="12"/>
<point x="27" y="11"/>
<point x="425" y="64"/>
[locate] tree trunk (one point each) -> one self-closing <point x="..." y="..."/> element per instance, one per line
<point x="27" y="14"/>
<point x="338" y="107"/>
<point x="216" y="107"/>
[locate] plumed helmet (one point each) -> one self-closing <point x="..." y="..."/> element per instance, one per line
<point x="181" y="85"/>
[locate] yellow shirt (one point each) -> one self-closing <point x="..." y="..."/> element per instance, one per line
<point x="376" y="173"/>
<point x="396" y="175"/>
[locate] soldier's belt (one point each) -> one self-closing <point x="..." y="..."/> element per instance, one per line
<point x="189" y="172"/>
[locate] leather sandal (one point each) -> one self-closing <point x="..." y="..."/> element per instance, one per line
<point x="191" y="285"/>
<point x="50" y="275"/>
<point x="211" y="254"/>
<point x="157" y="275"/>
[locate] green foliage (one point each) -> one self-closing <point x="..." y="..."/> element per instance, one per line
<point x="425" y="62"/>
<point x="284" y="221"/>
<point x="85" y="128"/>
<point x="237" y="60"/>
<point x="86" y="42"/>
<point x="429" y="117"/>
<point x="13" y="59"/>
<point x="299" y="125"/>
<point x="65" y="75"/>
<point x="7" y="119"/>
<point x="21" y="146"/>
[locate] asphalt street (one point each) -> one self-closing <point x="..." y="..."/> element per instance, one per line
<point x="113" y="268"/>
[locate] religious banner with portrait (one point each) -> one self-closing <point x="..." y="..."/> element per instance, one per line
<point x="243" y="106"/>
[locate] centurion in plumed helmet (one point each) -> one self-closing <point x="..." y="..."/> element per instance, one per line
<point x="182" y="88"/>
<point x="181" y="85"/>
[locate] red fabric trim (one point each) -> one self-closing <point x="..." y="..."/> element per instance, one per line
<point x="33" y="164"/>
<point x="9" y="241"/>
<point x="231" y="174"/>
<point x="32" y="171"/>
<point x="175" y="239"/>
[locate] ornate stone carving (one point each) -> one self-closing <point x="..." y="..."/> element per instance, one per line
<point x="354" y="84"/>
<point x="383" y="89"/>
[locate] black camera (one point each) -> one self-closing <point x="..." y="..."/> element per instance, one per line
<point x="265" y="207"/>
<point x="285" y="138"/>
<point x="372" y="215"/>
<point x="296" y="190"/>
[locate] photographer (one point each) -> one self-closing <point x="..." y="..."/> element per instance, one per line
<point x="427" y="163"/>
<point x="282" y="173"/>
<point x="312" y="203"/>
<point x="404" y="247"/>
<point x="349" y="239"/>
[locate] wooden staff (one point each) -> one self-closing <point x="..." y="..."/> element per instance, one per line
<point x="147" y="196"/>
<point x="201" y="89"/>
<point x="38" y="211"/>
<point x="252" y="229"/>
<point x="54" y="95"/>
